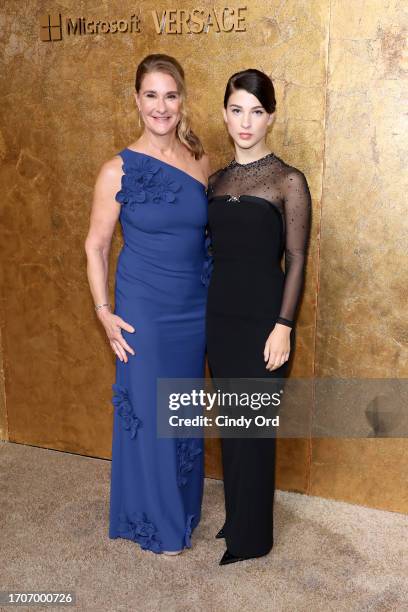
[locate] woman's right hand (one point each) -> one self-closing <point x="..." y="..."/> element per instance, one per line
<point x="113" y="325"/>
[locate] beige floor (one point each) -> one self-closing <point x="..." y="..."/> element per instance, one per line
<point x="327" y="555"/>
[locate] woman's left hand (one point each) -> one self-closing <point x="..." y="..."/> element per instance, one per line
<point x="277" y="347"/>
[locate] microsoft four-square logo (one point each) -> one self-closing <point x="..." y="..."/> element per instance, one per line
<point x="50" y="28"/>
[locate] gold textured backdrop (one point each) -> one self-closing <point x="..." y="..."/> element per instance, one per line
<point x="338" y="71"/>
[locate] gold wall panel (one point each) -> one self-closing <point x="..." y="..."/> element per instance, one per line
<point x="68" y="106"/>
<point x="362" y="319"/>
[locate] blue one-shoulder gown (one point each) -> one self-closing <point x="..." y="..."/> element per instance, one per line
<point x="160" y="289"/>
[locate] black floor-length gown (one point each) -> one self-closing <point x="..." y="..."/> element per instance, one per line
<point x="258" y="212"/>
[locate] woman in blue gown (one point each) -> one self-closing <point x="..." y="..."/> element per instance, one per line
<point x="156" y="187"/>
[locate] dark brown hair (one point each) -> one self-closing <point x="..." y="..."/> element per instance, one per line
<point x="255" y="82"/>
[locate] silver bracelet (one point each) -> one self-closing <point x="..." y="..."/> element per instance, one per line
<point x="101" y="306"/>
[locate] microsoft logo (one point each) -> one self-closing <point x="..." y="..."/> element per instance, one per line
<point x="50" y="28"/>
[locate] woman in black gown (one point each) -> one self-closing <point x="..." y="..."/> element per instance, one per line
<point x="259" y="209"/>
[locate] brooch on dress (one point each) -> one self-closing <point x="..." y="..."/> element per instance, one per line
<point x="233" y="198"/>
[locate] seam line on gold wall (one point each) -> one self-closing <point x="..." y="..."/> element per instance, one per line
<point x="326" y="85"/>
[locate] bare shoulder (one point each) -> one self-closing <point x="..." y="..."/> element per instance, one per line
<point x="200" y="167"/>
<point x="108" y="180"/>
<point x="112" y="167"/>
<point x="110" y="172"/>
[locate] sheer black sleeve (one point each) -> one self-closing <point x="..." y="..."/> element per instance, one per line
<point x="297" y="211"/>
<point x="208" y="255"/>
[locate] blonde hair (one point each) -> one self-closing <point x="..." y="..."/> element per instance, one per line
<point x="159" y="62"/>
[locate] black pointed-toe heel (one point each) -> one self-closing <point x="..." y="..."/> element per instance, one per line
<point x="220" y="534"/>
<point x="227" y="558"/>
